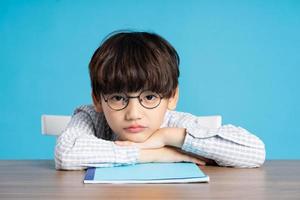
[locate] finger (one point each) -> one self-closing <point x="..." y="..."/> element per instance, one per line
<point x="195" y="160"/>
<point x="128" y="143"/>
<point x="123" y="143"/>
<point x="199" y="162"/>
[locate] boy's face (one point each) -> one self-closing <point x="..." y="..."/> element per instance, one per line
<point x="135" y="122"/>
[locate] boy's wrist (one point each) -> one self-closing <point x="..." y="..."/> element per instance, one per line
<point x="147" y="155"/>
<point x="174" y="136"/>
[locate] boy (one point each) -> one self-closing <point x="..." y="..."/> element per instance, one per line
<point x="134" y="79"/>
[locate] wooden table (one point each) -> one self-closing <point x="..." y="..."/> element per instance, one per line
<point x="38" y="179"/>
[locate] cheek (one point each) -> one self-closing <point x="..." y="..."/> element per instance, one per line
<point x="113" y="119"/>
<point x="157" y="116"/>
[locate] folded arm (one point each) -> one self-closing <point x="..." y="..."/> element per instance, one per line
<point x="227" y="146"/>
<point x="78" y="146"/>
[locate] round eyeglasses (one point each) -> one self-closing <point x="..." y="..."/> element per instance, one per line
<point x="119" y="101"/>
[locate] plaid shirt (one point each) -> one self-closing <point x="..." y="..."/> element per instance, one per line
<point x="89" y="140"/>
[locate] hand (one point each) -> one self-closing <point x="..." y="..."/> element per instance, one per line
<point x="160" y="138"/>
<point x="167" y="154"/>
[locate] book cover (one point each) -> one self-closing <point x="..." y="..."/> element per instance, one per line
<point x="147" y="173"/>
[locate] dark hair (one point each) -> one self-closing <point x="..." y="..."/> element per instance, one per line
<point x="133" y="61"/>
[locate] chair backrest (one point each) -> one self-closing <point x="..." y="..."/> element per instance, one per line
<point x="55" y="124"/>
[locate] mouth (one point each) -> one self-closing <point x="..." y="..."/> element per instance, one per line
<point x="135" y="129"/>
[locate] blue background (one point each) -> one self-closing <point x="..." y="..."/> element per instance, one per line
<point x="239" y="59"/>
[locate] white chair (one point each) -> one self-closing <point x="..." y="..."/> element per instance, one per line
<point x="55" y="124"/>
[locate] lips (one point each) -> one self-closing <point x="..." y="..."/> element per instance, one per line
<point x="135" y="129"/>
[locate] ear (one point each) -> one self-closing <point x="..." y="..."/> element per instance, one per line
<point x="97" y="104"/>
<point x="172" y="102"/>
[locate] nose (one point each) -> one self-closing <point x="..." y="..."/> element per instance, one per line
<point x="133" y="110"/>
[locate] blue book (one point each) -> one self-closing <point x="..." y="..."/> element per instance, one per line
<point x="147" y="173"/>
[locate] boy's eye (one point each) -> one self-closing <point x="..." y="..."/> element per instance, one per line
<point x="117" y="98"/>
<point x="150" y="97"/>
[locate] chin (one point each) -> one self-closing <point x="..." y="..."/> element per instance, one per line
<point x="138" y="138"/>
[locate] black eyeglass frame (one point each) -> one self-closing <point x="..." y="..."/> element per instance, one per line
<point x="133" y="97"/>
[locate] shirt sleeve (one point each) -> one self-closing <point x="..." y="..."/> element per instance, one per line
<point x="78" y="147"/>
<point x="227" y="146"/>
